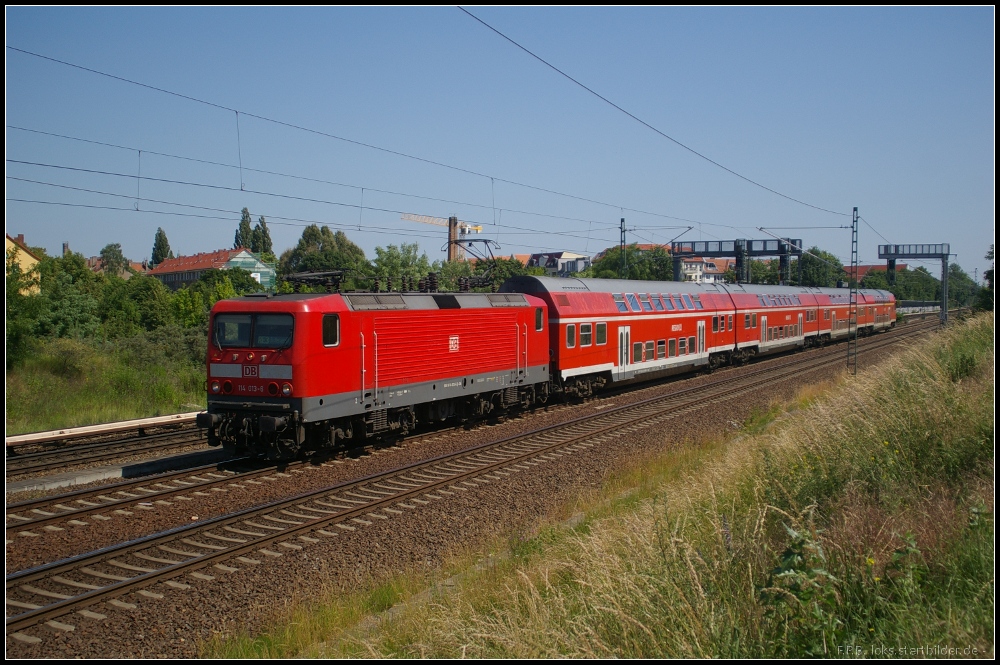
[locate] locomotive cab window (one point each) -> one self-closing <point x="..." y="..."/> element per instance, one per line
<point x="538" y="318"/>
<point x="232" y="330"/>
<point x="331" y="329"/>
<point x="272" y="331"/>
<point x="570" y="336"/>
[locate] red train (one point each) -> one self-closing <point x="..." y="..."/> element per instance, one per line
<point x="301" y="372"/>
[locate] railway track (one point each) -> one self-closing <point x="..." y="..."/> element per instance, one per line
<point x="143" y="493"/>
<point x="64" y="457"/>
<point x="205" y="549"/>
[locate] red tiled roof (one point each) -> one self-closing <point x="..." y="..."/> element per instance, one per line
<point x="202" y="261"/>
<point x="865" y="269"/>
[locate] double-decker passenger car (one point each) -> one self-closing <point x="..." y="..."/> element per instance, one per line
<point x="605" y="331"/>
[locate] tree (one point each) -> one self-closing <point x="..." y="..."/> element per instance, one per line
<point x="820" y="268"/>
<point x="161" y="248"/>
<point x="394" y="262"/>
<point x="23" y="308"/>
<point x="113" y="261"/>
<point x="962" y="290"/>
<point x="655" y="264"/>
<point x="260" y="241"/>
<point x="320" y="249"/>
<point x="984" y="301"/>
<point x="244" y="234"/>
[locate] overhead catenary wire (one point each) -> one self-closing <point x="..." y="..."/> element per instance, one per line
<point x="329" y="135"/>
<point x="647" y="125"/>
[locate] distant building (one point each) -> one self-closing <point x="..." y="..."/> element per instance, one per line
<point x="559" y="264"/>
<point x="182" y="271"/>
<point x="24" y="257"/>
<point x="863" y="270"/>
<point x="136" y="267"/>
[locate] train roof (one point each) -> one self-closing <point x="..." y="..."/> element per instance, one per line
<point x="378" y="301"/>
<point x="533" y="284"/>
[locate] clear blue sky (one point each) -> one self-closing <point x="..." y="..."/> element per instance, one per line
<point x="890" y="110"/>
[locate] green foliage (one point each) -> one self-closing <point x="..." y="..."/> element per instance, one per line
<point x="23" y="307"/>
<point x="654" y="265"/>
<point x="161" y="248"/>
<point x="244" y="233"/>
<point x="68" y="309"/>
<point x="260" y="238"/>
<point x="501" y="269"/>
<point x="320" y="249"/>
<point x="73" y="382"/>
<point x="819" y="268"/>
<point x="402" y="261"/>
<point x="113" y="261"/>
<point x="130" y="306"/>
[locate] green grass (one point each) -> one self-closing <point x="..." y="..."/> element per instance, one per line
<point x="68" y="383"/>
<point x="856" y="522"/>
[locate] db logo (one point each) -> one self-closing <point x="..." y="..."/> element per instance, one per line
<point x="453" y="343"/>
<point x="250" y="371"/>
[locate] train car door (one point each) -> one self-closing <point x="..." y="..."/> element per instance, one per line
<point x="624" y="350"/>
<point x="701" y="337"/>
<point x="763" y="330"/>
<point x="799" y="332"/>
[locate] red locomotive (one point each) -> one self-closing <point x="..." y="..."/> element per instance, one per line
<point x="300" y="372"/>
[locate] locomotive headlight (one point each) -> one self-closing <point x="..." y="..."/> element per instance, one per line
<point x="216" y="387"/>
<point x="286" y="389"/>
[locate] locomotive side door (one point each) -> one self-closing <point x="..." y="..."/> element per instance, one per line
<point x="624" y="346"/>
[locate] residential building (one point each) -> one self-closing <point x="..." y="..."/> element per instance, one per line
<point x="559" y="264"/>
<point x="24" y="257"/>
<point x="182" y="271"/>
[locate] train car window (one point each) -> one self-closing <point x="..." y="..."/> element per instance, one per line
<point x="826" y="315"/>
<point x="687" y="301"/>
<point x="331" y="329"/>
<point x="650" y="349"/>
<point x="697" y="302"/>
<point x="678" y="301"/>
<point x="602" y="333"/>
<point x="730" y="327"/>
<point x="272" y="331"/>
<point x="692" y="347"/>
<point x="753" y="319"/>
<point x="633" y="302"/>
<point x="637" y="352"/>
<point x="657" y="303"/>
<point x="539" y="323"/>
<point x="746" y="321"/>
<point x="671" y="348"/>
<point x="232" y="330"/>
<point x="682" y="347"/>
<point x="586" y="334"/>
<point x="644" y="299"/>
<point x="668" y="302"/>
<point x="661" y="349"/>
<point x="620" y="302"/>
<point x="715" y="324"/>
<point x="763" y="303"/>
<point x="570" y="336"/>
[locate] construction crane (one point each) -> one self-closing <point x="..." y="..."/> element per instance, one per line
<point x="457" y="231"/>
